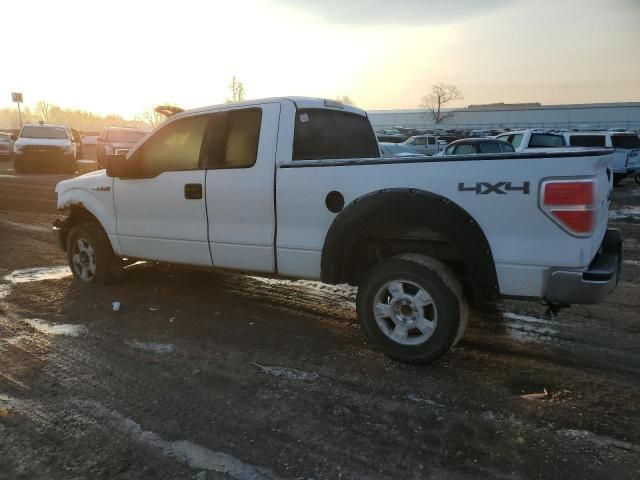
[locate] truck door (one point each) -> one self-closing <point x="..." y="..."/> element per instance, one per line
<point x="161" y="213"/>
<point x="240" y="188"/>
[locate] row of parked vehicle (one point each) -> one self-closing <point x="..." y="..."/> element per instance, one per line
<point x="626" y="145"/>
<point x="56" y="148"/>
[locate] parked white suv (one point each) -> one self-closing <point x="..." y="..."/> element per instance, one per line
<point x="534" y="140"/>
<point x="295" y="187"/>
<point x="626" y="144"/>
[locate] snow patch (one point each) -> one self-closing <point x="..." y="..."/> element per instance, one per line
<point x="16" y="339"/>
<point x="53" y="329"/>
<point x="417" y="399"/>
<point x="626" y="262"/>
<point x="25" y="226"/>
<point x="189" y="453"/>
<point x="288" y="373"/>
<point x="5" y="290"/>
<point x="625" y="213"/>
<point x="151" y="346"/>
<point x="38" y="274"/>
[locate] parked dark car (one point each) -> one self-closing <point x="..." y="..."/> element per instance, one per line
<point x="117" y="140"/>
<point x="473" y="146"/>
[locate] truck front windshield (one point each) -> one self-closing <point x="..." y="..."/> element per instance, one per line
<point x="49" y="133"/>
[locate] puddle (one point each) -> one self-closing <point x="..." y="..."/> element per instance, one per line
<point x="288" y="373"/>
<point x="527" y="328"/>
<point x="151" y="346"/>
<point x="54" y="329"/>
<point x="630" y="214"/>
<point x="189" y="453"/>
<point x="38" y="274"/>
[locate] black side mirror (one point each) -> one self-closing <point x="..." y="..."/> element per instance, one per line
<point x="14" y="137"/>
<point x="117" y="166"/>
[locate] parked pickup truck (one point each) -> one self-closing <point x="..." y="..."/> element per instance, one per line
<point x="296" y="188"/>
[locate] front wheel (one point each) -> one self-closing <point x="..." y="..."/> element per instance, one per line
<point x="637" y="179"/>
<point x="90" y="255"/>
<point x="412" y="307"/>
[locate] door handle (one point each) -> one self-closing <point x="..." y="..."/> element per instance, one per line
<point x="193" y="191"/>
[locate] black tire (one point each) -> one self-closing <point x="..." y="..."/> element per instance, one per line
<point x="448" y="303"/>
<point x="91" y="239"/>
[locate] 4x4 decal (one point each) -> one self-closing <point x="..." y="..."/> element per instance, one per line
<point x="501" y="188"/>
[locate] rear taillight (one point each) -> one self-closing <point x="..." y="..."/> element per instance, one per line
<point x="570" y="204"/>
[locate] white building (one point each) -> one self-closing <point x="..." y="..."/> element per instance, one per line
<point x="587" y="115"/>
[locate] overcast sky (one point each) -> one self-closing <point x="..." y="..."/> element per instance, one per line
<point x="124" y="56"/>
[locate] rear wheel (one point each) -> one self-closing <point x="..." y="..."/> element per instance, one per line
<point x="412" y="307"/>
<point x="617" y="178"/>
<point x="90" y="255"/>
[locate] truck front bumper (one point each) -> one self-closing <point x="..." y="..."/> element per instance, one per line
<point x="595" y="283"/>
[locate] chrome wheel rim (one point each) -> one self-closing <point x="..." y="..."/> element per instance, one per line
<point x="405" y="312"/>
<point x="83" y="259"/>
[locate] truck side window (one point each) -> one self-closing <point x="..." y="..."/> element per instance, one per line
<point x="543" y="140"/>
<point x="174" y="147"/>
<point x="322" y="134"/>
<point x="432" y="141"/>
<point x="587" y="140"/>
<point x="233" y="138"/>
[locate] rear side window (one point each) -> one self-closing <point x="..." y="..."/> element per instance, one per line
<point x="587" y="140"/>
<point x="328" y="134"/>
<point x="234" y="137"/>
<point x="507" y="148"/>
<point x="625" y="141"/>
<point x="515" y="140"/>
<point x="432" y="141"/>
<point x="465" y="149"/>
<point x="544" y="140"/>
<point x="489" y="147"/>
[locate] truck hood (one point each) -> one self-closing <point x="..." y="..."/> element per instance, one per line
<point x="52" y="142"/>
<point x="89" y="182"/>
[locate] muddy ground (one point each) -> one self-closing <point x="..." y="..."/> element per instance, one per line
<point x="207" y="375"/>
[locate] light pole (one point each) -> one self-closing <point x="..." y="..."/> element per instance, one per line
<point x="17" y="98"/>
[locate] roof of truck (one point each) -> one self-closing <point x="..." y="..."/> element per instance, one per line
<point x="300" y="102"/>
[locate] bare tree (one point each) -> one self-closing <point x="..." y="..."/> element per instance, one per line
<point x="236" y="87"/>
<point x="43" y="110"/>
<point x="155" y="115"/>
<point x="346" y="100"/>
<point x="441" y="95"/>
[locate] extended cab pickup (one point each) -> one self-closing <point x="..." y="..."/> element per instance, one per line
<point x="296" y="188"/>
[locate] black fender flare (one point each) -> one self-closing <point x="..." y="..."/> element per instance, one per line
<point x="410" y="208"/>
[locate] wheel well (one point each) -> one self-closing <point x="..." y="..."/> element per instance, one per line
<point x="393" y="222"/>
<point x="77" y="214"/>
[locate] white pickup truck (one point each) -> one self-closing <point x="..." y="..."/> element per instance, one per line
<point x="296" y="188"/>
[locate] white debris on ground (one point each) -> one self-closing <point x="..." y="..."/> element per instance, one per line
<point x="417" y="399"/>
<point x="599" y="440"/>
<point x="5" y="290"/>
<point x="189" y="453"/>
<point x="53" y="329"/>
<point x="625" y="213"/>
<point x="38" y="274"/>
<point x="288" y="373"/>
<point x="151" y="346"/>
<point x="626" y="262"/>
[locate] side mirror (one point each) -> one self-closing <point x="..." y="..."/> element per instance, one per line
<point x="117" y="166"/>
<point x="14" y="137"/>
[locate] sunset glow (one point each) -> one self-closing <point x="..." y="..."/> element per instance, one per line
<point x="122" y="57"/>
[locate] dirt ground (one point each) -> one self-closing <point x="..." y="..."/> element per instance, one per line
<point x="205" y="375"/>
